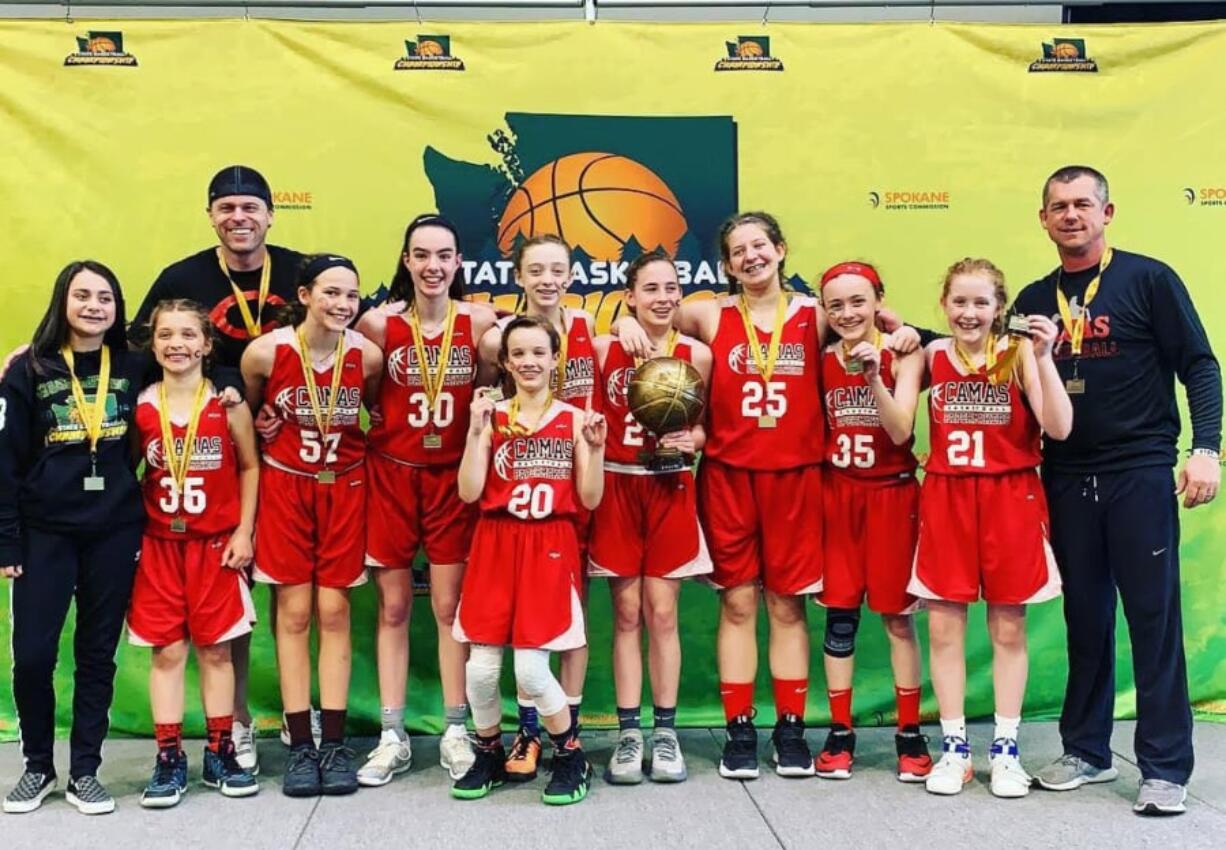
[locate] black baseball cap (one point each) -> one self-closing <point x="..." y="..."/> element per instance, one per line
<point x="239" y="180"/>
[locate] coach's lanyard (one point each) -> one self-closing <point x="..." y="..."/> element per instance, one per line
<point x="1077" y="327"/>
<point x="178" y="465"/>
<point x="254" y="324"/>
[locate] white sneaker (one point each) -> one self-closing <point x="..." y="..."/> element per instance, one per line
<point x="317" y="731"/>
<point x="244" y="747"/>
<point x="953" y="770"/>
<point x="455" y="752"/>
<point x="1009" y="778"/>
<point x="626" y="763"/>
<point x="390" y="757"/>
<point x="667" y="763"/>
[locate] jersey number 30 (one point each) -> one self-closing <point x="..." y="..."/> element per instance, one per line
<point x="531" y="502"/>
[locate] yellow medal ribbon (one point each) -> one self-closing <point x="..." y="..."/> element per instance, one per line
<point x="670" y="345"/>
<point x="254" y="324"/>
<point x="179" y="465"/>
<point x="766" y="366"/>
<point x="432" y="384"/>
<point x="1077" y="327"/>
<point x="989" y="357"/>
<point x="322" y="418"/>
<point x="559" y="375"/>
<point x="513" y="428"/>
<point x="91" y="417"/>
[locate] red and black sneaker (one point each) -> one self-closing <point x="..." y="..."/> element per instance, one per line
<point x="914" y="763"/>
<point x="838" y="753"/>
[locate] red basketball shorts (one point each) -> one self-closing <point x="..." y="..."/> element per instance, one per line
<point x="763" y="525"/>
<point x="308" y="532"/>
<point x="647" y="525"/>
<point x="870" y="530"/>
<point x="984" y="536"/>
<point x="411" y="507"/>
<point x="182" y="592"/>
<point x="519" y="586"/>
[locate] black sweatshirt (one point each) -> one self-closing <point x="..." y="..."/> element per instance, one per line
<point x="44" y="450"/>
<point x="1142" y="331"/>
<point x="199" y="278"/>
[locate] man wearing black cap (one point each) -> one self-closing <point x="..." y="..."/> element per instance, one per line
<point x="242" y="282"/>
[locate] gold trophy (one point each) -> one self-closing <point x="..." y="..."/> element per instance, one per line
<point x="666" y="395"/>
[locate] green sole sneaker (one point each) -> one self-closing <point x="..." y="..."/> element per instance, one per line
<point x="474" y="793"/>
<point x="572" y="795"/>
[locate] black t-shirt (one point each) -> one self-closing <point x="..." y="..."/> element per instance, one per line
<point x="199" y="278"/>
<point x="1142" y="331"/>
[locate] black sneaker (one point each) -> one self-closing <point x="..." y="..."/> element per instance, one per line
<point x="914" y="762"/>
<point x="337" y="771"/>
<point x="89" y="796"/>
<point x="302" y="777"/>
<point x="223" y="772"/>
<point x="792" y="756"/>
<point x="29" y="792"/>
<point x="168" y="782"/>
<point x="838" y="753"/>
<point x="489" y="770"/>
<point x="740" y="758"/>
<point x="571" y="777"/>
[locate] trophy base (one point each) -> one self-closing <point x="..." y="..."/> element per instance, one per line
<point x="665" y="460"/>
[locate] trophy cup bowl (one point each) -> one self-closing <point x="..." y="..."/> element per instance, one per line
<point x="665" y="395"/>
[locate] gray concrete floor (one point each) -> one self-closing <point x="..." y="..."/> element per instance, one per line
<point x="872" y="810"/>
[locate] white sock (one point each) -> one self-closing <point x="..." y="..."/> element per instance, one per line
<point x="955" y="728"/>
<point x="1007" y="727"/>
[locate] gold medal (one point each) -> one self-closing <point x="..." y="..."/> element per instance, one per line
<point x="93" y="416"/>
<point x="1077" y="327"/>
<point x="177" y="466"/>
<point x="254" y="324"/>
<point x="432" y="382"/>
<point x="767" y="422"/>
<point x="1075" y="386"/>
<point x="851" y="365"/>
<point x="323" y="417"/>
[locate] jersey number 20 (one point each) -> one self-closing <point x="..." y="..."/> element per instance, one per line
<point x="531" y="502"/>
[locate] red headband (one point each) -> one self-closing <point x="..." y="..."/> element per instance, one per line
<point x="864" y="270"/>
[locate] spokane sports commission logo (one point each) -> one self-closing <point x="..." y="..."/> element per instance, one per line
<point x="1065" y="55"/>
<point x="429" y="53"/>
<point x="100" y="48"/>
<point x="1205" y="196"/>
<point x="749" y="53"/>
<point x="613" y="187"/>
<point x="910" y="199"/>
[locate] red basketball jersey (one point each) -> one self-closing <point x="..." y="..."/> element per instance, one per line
<point x="739" y="397"/>
<point x="533" y="477"/>
<point x="579" y="382"/>
<point x="857" y="445"/>
<point x="407" y="418"/>
<point x="628" y="441"/>
<point x="209" y="502"/>
<point x="977" y="428"/>
<point x="299" y="446"/>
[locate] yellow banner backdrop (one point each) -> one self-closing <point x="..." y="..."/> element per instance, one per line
<point x="909" y="145"/>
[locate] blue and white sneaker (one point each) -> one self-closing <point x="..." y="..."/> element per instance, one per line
<point x="1009" y="778"/>
<point x="168" y="783"/>
<point x="223" y="772"/>
<point x="954" y="769"/>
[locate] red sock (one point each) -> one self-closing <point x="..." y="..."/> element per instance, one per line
<point x="219" y="730"/>
<point x="908" y="700"/>
<point x="790" y="696"/>
<point x="169" y="736"/>
<point x="840" y="707"/>
<point x="737" y="698"/>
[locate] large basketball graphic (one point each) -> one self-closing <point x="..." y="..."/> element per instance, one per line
<point x="596" y="201"/>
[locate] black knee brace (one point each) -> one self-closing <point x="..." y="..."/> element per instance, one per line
<point x="841" y="627"/>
